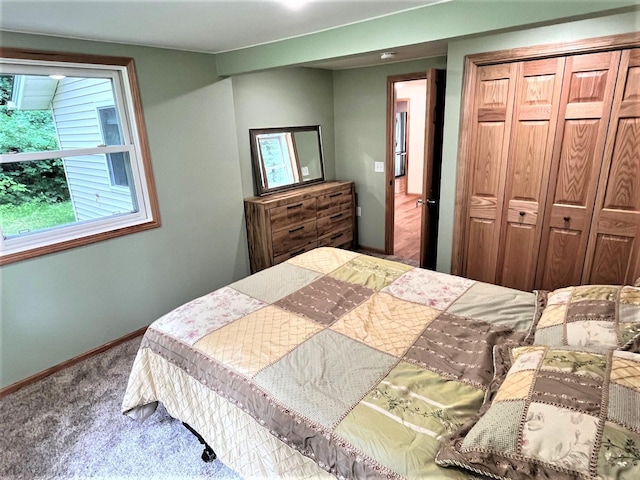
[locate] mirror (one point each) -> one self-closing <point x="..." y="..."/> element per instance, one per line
<point x="286" y="158"/>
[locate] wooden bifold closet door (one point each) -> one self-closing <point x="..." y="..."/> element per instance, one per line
<point x="551" y="180"/>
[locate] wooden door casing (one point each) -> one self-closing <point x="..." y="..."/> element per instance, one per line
<point x="588" y="86"/>
<point x="612" y="254"/>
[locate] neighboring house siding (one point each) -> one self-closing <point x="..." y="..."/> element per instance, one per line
<point x="74" y="107"/>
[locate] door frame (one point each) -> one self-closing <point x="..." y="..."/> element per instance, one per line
<point x="389" y="203"/>
<point x="471" y="64"/>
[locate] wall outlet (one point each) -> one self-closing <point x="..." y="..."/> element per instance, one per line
<point x="379" y="167"/>
<point x="305" y="171"/>
<point x="358" y="211"/>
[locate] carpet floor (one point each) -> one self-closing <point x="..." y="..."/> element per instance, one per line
<point x="69" y="426"/>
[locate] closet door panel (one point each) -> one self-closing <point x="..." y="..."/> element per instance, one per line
<point x="538" y="87"/>
<point x="491" y="130"/>
<point x="559" y="268"/>
<point x="613" y="248"/>
<point x="587" y="92"/>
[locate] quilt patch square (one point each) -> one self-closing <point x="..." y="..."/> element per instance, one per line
<point x="625" y="370"/>
<point x="550" y="336"/>
<point x="516" y="386"/>
<point x="630" y="295"/>
<point x="594" y="293"/>
<point x="572" y="391"/>
<point x="592" y="333"/>
<point x="460" y="348"/>
<point x="386" y="323"/>
<point x="619" y="455"/>
<point x="374" y="273"/>
<point x="434" y="289"/>
<point x="629" y="313"/>
<point x="497" y="429"/>
<point x="495" y="304"/>
<point x="325" y="300"/>
<point x="257" y="340"/>
<point x="526" y="358"/>
<point x="323" y="260"/>
<point x="326" y="376"/>
<point x="272" y="284"/>
<point x="553" y="315"/>
<point x="579" y="363"/>
<point x="560" y="296"/>
<point x="591" y="310"/>
<point x="195" y="319"/>
<point x="624" y="406"/>
<point x="414" y="409"/>
<point x="559" y="436"/>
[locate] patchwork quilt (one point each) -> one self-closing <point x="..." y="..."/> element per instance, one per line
<point x="360" y="364"/>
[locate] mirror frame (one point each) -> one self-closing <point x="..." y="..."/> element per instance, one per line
<point x="258" y="168"/>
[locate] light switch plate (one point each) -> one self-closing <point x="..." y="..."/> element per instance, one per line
<point x="379" y="167"/>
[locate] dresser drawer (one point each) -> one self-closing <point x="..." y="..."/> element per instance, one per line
<point x="286" y="256"/>
<point x="335" y="202"/>
<point x="292" y="214"/>
<point x="283" y="225"/>
<point x="336" y="239"/>
<point x="334" y="223"/>
<point x="294" y="237"/>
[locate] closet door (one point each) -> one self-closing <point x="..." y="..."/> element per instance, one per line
<point x="585" y="106"/>
<point x="491" y="130"/>
<point x="537" y="98"/>
<point x="612" y="257"/>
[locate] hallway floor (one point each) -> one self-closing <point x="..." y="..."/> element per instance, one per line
<point x="406" y="237"/>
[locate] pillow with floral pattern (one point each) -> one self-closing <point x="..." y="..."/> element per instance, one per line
<point x="561" y="414"/>
<point x="596" y="317"/>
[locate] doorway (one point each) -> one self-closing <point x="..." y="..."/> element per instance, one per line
<point x="415" y="106"/>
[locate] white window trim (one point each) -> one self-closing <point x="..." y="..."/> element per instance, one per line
<point x="127" y="100"/>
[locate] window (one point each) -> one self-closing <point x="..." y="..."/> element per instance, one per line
<point x="74" y="160"/>
<point x="111" y="134"/>
<point x="278" y="157"/>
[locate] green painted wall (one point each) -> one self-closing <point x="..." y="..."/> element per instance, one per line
<point x="61" y="305"/>
<point x="608" y="25"/>
<point x="360" y="104"/>
<point x="445" y="20"/>
<point x="283" y="98"/>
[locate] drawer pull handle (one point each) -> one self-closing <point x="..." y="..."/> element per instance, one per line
<point x="335" y="194"/>
<point x="522" y="214"/>
<point x="337" y="235"/>
<point x="297" y="252"/>
<point x="567" y="218"/>
<point x="296" y="229"/>
<point x="337" y="215"/>
<point x="297" y="205"/>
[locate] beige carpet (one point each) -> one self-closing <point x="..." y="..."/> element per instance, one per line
<point x="69" y="425"/>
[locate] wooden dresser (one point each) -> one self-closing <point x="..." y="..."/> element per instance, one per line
<point x="283" y="225"/>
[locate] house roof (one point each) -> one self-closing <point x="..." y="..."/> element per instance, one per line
<point x="33" y="92"/>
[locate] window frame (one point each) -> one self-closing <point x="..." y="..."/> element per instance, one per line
<point x="128" y="104"/>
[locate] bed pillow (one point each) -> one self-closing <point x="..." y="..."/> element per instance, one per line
<point x="597" y="317"/>
<point x="560" y="413"/>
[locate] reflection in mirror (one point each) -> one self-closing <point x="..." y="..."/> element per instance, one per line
<point x="286" y="158"/>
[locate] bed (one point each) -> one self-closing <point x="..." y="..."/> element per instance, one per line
<point x="339" y="364"/>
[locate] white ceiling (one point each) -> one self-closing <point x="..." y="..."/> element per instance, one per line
<point x="210" y="26"/>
